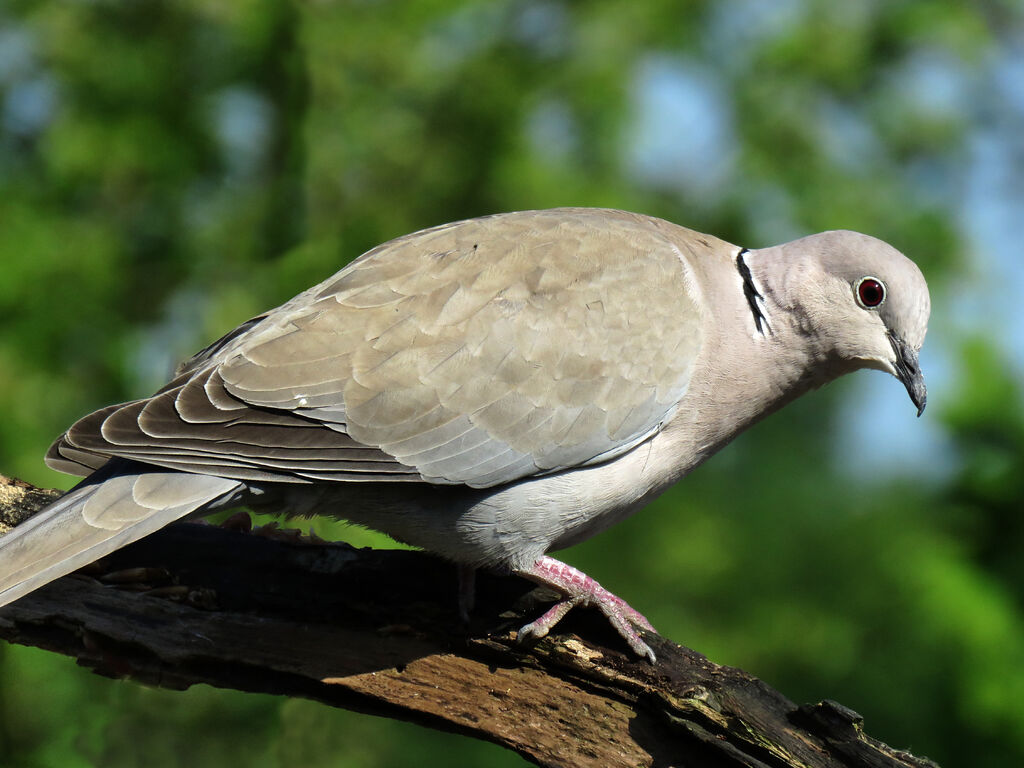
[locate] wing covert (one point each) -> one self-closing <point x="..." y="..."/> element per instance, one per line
<point x="486" y="351"/>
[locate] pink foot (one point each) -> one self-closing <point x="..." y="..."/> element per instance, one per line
<point x="580" y="589"/>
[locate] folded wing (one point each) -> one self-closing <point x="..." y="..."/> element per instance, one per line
<point x="475" y="353"/>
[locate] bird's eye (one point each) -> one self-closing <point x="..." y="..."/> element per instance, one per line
<point x="870" y="292"/>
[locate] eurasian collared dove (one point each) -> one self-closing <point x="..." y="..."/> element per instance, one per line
<point x="489" y="390"/>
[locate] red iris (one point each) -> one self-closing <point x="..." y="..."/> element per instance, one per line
<point x="870" y="292"/>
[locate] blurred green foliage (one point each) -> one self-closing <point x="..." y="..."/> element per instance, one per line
<point x="169" y="169"/>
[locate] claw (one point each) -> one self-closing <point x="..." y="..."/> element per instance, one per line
<point x="580" y="589"/>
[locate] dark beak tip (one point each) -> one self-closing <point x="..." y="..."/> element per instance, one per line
<point x="914" y="383"/>
<point x="909" y="373"/>
<point x="918" y="394"/>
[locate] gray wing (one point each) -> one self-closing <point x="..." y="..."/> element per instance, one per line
<point x="476" y="353"/>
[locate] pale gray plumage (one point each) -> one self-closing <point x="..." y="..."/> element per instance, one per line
<point x="489" y="390"/>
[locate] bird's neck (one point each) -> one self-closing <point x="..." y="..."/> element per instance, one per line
<point x="755" y="332"/>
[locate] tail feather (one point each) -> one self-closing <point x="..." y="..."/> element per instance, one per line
<point x="97" y="517"/>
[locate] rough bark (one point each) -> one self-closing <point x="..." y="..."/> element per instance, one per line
<point x="376" y="631"/>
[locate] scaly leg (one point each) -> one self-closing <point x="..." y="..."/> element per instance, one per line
<point x="580" y="589"/>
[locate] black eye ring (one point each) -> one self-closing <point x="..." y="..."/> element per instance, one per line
<point x="870" y="292"/>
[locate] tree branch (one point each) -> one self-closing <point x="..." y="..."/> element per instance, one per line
<point x="376" y="631"/>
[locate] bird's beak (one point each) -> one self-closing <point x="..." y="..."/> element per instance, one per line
<point x="909" y="372"/>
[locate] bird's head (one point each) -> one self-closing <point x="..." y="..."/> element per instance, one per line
<point x="865" y="303"/>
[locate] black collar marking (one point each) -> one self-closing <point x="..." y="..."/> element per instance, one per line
<point x="752" y="294"/>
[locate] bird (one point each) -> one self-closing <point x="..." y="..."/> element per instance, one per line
<point x="490" y="390"/>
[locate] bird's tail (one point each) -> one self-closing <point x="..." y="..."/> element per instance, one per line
<point x="104" y="512"/>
